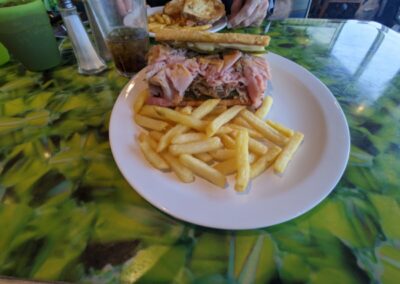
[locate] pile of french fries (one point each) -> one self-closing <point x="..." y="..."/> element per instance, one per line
<point x="163" y="21"/>
<point x="213" y="142"/>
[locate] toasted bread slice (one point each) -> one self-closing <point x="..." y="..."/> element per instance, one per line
<point x="207" y="37"/>
<point x="174" y="7"/>
<point x="203" y="11"/>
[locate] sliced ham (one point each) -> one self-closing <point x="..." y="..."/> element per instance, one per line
<point x="163" y="102"/>
<point x="230" y="59"/>
<point x="154" y="69"/>
<point x="172" y="71"/>
<point x="180" y="78"/>
<point x="158" y="53"/>
<point x="256" y="72"/>
<point x="192" y="65"/>
<point x="160" y="79"/>
<point x="163" y="53"/>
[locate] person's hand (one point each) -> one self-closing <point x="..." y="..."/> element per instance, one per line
<point x="124" y="7"/>
<point x="246" y="13"/>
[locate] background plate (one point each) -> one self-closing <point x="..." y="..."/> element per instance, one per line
<point x="301" y="102"/>
<point x="217" y="26"/>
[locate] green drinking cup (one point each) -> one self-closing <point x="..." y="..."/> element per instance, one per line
<point x="4" y="56"/>
<point x="26" y="32"/>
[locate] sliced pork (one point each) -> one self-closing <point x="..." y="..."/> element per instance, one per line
<point x="256" y="72"/>
<point x="173" y="74"/>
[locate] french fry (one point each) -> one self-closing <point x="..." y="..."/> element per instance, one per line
<point x="223" y="154"/>
<point x="159" y="18"/>
<point x="196" y="147"/>
<point x="254" y="145"/>
<point x="156" y="135"/>
<point x="144" y="137"/>
<point x="287" y="153"/>
<point x="186" y="110"/>
<point x="205" y="157"/>
<point x="281" y="128"/>
<point x="228" y="141"/>
<point x="150" y="123"/>
<point x="229" y="167"/>
<point x="210" y="117"/>
<point x="203" y="170"/>
<point x="197" y="28"/>
<point x="174" y="25"/>
<point x="222" y="119"/>
<point x="257" y="147"/>
<point x="224" y="130"/>
<point x="264" y="161"/>
<point x="241" y="122"/>
<point x="169" y="135"/>
<point x="242" y="161"/>
<point x="205" y="108"/>
<point x="218" y="110"/>
<point x="182" y="172"/>
<point x="188" y="137"/>
<point x="154" y="27"/>
<point x="167" y="19"/>
<point x="177" y="117"/>
<point x="266" y="130"/>
<point x="151" y="156"/>
<point x="139" y="102"/>
<point x="151" y="19"/>
<point x="252" y="133"/>
<point x="148" y="110"/>
<point x="264" y="109"/>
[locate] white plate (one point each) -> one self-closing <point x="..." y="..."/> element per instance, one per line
<point x="217" y="26"/>
<point x="301" y="102"/>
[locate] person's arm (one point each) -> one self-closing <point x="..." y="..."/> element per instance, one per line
<point x="124" y="7"/>
<point x="249" y="12"/>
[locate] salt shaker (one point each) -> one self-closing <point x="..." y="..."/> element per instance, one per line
<point x="88" y="60"/>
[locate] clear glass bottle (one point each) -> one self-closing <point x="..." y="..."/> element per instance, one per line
<point x="87" y="58"/>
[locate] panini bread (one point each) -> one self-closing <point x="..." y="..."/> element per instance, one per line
<point x="211" y="42"/>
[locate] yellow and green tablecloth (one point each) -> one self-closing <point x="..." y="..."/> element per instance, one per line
<point x="67" y="214"/>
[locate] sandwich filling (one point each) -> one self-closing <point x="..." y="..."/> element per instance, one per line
<point x="176" y="76"/>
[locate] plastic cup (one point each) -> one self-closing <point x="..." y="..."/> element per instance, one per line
<point x="4" y="56"/>
<point x="26" y="32"/>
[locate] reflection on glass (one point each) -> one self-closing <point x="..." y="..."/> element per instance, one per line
<point x="366" y="51"/>
<point x="352" y="44"/>
<point x="322" y="35"/>
<point x="381" y="69"/>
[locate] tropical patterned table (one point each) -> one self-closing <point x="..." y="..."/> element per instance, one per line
<point x="67" y="214"/>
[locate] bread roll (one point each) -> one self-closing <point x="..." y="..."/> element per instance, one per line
<point x="207" y="37"/>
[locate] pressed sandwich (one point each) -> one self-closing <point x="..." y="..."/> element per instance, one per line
<point x="200" y="12"/>
<point x="204" y="65"/>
